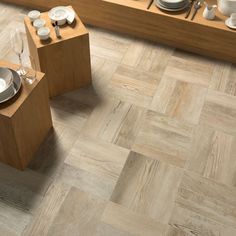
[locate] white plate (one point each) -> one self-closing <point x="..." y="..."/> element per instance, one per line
<point x="173" y="1"/>
<point x="228" y="23"/>
<point x="159" y="5"/>
<point x="62" y="15"/>
<point x="17" y="85"/>
<point x="58" y="14"/>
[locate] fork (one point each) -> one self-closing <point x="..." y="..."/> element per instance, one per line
<point x="197" y="6"/>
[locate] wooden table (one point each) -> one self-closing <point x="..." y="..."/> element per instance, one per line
<point x="65" y="61"/>
<point x="25" y="121"/>
<point x="210" y="38"/>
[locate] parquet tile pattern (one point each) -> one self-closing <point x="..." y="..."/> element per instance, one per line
<point x="149" y="149"/>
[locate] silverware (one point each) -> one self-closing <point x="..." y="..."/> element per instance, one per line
<point x="197" y="6"/>
<point x="190" y="9"/>
<point x="150" y="3"/>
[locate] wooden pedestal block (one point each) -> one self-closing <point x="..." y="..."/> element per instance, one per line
<point x="65" y="61"/>
<point x="25" y="121"/>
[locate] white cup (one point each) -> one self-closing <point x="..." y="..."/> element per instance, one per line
<point x="233" y="18"/>
<point x="34" y="15"/>
<point x="44" y="33"/>
<point x="39" y="23"/>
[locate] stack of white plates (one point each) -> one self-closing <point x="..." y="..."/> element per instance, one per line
<point x="172" y="5"/>
<point x="10" y="84"/>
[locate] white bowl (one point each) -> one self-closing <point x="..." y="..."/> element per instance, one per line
<point x="227" y="7"/>
<point x="39" y="23"/>
<point x="58" y="14"/>
<point x="6" y="83"/>
<point x="44" y="33"/>
<point x="33" y="15"/>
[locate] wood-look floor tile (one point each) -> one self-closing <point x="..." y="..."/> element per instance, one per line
<point x="133" y="54"/>
<point x="223" y="78"/>
<point x="134" y="86"/>
<point x="97" y="157"/>
<point x="22" y="190"/>
<point x="187" y="222"/>
<point x="147" y="186"/>
<point x="12" y="220"/>
<point x="164" y="138"/>
<point x="196" y="71"/>
<point x="180" y="100"/>
<point x="135" y="224"/>
<point x="104" y="229"/>
<point x="213" y="155"/>
<point x="78" y="215"/>
<point x="130" y="127"/>
<point x="202" y="200"/>
<point x="54" y="150"/>
<point x="219" y="112"/>
<point x="106" y="119"/>
<point x="98" y="185"/>
<point x="48" y="209"/>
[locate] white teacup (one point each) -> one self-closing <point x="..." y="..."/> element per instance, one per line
<point x="44" y="33"/>
<point x="39" y="23"/>
<point x="232" y="19"/>
<point x="34" y="15"/>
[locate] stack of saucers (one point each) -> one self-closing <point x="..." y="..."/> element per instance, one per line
<point x="10" y="83"/>
<point x="172" y="5"/>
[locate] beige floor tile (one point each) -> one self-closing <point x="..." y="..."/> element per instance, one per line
<point x="219" y="112"/>
<point x="130" y="127"/>
<point x="97" y="157"/>
<point x="125" y="220"/>
<point x="12" y="220"/>
<point x="106" y="119"/>
<point x="190" y="223"/>
<point x="180" y="100"/>
<point x="205" y="200"/>
<point x="134" y="86"/>
<point x="22" y="190"/>
<point x="164" y="138"/>
<point x="147" y="186"/>
<point x="78" y="215"/>
<point x="223" y="78"/>
<point x="213" y="155"/>
<point x="47" y="211"/>
<point x="51" y="155"/>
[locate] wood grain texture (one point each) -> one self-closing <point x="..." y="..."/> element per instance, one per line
<point x="66" y="61"/>
<point x="139" y="187"/>
<point x="28" y="113"/>
<point x="197" y="36"/>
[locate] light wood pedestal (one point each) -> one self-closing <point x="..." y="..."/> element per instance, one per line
<point x="65" y="61"/>
<point x="25" y="121"/>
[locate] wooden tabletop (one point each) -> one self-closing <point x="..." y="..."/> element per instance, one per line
<point x="67" y="31"/>
<point x="218" y="22"/>
<point x="9" y="108"/>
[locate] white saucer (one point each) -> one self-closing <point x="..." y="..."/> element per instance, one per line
<point x="159" y="5"/>
<point x="227" y="22"/>
<point x="17" y="85"/>
<point x="62" y="15"/>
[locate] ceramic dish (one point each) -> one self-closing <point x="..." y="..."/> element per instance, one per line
<point x="162" y="7"/>
<point x="33" y="15"/>
<point x="229" y="24"/>
<point x="58" y="14"/>
<point x="44" y="33"/>
<point x="16" y="86"/>
<point x="39" y="23"/>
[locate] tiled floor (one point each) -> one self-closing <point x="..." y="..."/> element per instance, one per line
<point x="148" y="149"/>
